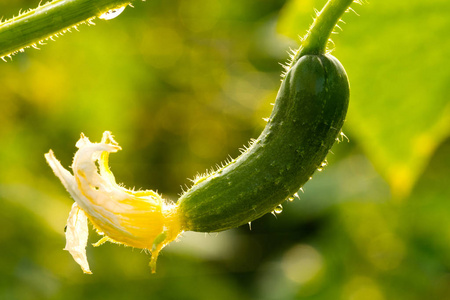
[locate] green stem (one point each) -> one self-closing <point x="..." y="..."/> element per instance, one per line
<point x="35" y="26"/>
<point x="315" y="41"/>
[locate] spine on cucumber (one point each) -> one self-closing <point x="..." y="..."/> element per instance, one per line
<point x="307" y="117"/>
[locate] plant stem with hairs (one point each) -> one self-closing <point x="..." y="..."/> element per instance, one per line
<point x="34" y="27"/>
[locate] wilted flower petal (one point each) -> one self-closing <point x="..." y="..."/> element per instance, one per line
<point x="77" y="237"/>
<point x="139" y="219"/>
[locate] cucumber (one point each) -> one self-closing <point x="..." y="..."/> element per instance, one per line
<point x="307" y="118"/>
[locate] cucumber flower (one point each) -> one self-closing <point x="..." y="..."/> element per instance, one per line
<point x="140" y="219"/>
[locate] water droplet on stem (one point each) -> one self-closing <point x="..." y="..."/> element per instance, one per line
<point x="111" y="14"/>
<point x="278" y="209"/>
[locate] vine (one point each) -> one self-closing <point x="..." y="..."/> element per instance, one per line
<point x="34" y="27"/>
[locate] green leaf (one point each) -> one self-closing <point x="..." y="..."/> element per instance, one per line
<point x="396" y="56"/>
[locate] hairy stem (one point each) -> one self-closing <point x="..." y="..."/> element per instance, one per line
<point x="315" y="41"/>
<point x="35" y="26"/>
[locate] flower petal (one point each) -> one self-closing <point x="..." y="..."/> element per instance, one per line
<point x="77" y="236"/>
<point x="66" y="178"/>
<point x="139" y="219"/>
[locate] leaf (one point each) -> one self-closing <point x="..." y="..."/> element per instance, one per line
<point x="427" y="212"/>
<point x="397" y="61"/>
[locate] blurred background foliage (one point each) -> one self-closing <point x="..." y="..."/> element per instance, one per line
<point x="182" y="84"/>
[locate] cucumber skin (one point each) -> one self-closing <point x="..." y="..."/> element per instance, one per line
<point x="307" y="117"/>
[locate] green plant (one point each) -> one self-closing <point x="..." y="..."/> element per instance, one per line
<point x="306" y="120"/>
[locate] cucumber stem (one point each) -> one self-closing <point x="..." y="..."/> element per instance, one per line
<point x="33" y="27"/>
<point x="316" y="39"/>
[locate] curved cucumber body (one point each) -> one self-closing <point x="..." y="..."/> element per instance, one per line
<point x="307" y="117"/>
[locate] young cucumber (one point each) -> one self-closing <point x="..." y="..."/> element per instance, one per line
<point x="307" y="118"/>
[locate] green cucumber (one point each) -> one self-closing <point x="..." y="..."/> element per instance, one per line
<point x="307" y="118"/>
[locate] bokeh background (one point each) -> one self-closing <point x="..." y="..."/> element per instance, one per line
<point x="182" y="84"/>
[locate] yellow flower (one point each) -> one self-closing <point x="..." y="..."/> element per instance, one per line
<point x="140" y="219"/>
